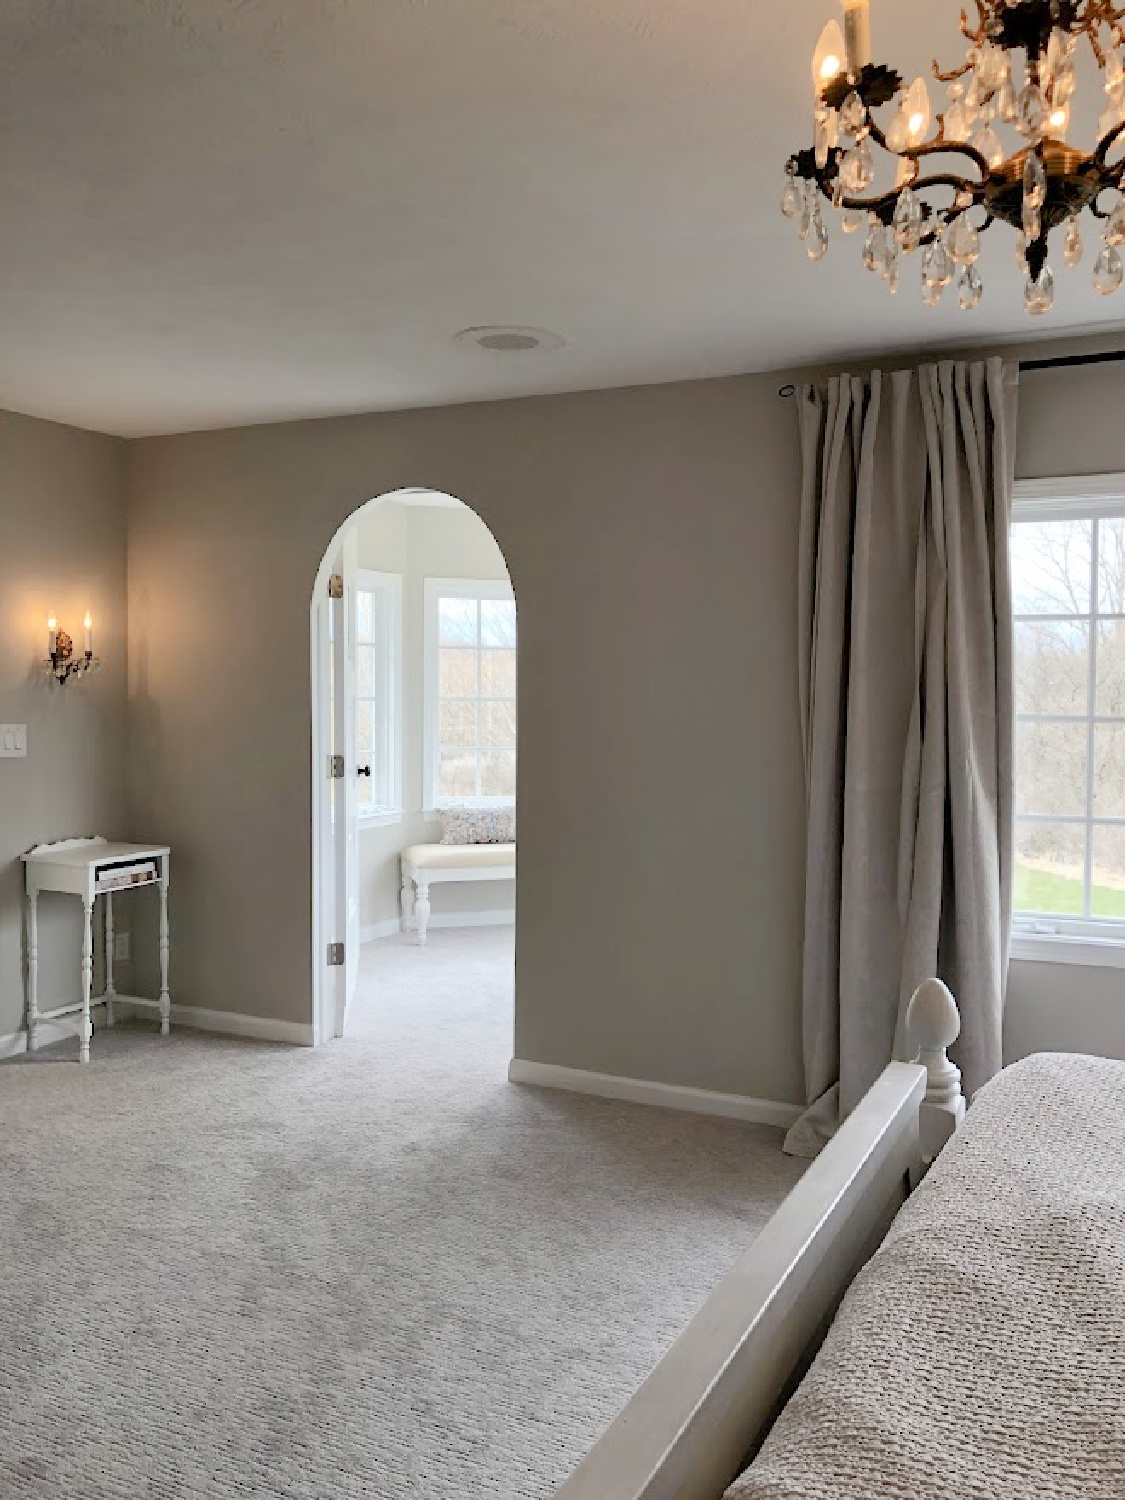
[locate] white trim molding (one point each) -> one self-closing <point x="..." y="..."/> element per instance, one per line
<point x="13" y="1044"/>
<point x="224" y="1022"/>
<point x="661" y="1095"/>
<point x="504" y="917"/>
<point x="1055" y="499"/>
<point x="376" y="930"/>
<point x="52" y="1027"/>
<point x="1060" y="948"/>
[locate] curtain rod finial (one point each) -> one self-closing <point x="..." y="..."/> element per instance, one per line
<point x="786" y="391"/>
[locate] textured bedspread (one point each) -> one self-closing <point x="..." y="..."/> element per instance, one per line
<point x="981" y="1353"/>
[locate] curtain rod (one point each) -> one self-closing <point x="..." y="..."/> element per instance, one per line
<point x="1030" y="366"/>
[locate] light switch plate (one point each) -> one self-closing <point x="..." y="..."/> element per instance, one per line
<point x="121" y="947"/>
<point x="13" y="741"/>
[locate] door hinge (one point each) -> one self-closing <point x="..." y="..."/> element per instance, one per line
<point x="336" y="586"/>
<point x="335" y="768"/>
<point x="335" y="955"/>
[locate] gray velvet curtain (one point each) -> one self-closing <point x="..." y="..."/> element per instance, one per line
<point x="906" y="701"/>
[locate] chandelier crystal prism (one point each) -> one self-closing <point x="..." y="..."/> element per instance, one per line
<point x="996" y="152"/>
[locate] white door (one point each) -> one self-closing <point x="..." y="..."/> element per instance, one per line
<point x="347" y="826"/>
<point x="340" y="823"/>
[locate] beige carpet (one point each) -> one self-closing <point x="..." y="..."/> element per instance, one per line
<point x="376" y="1269"/>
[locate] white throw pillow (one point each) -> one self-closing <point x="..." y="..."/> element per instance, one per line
<point x="468" y="824"/>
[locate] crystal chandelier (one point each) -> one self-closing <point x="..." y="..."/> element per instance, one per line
<point x="954" y="176"/>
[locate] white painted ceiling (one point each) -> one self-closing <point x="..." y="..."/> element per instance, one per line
<point x="227" y="211"/>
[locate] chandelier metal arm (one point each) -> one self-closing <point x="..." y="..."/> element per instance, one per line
<point x="936" y="147"/>
<point x="1105" y="146"/>
<point x="884" y="205"/>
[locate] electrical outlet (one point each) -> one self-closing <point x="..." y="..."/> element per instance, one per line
<point x="13" y="741"/>
<point x="121" y="947"/>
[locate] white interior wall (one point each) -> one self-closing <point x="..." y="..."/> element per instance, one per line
<point x="420" y="542"/>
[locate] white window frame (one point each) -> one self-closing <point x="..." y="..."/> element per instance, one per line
<point x="435" y="589"/>
<point x="1095" y="941"/>
<point x="370" y="581"/>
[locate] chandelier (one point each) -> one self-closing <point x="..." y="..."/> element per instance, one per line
<point x="954" y="176"/>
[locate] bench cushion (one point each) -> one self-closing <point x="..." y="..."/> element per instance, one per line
<point x="460" y="856"/>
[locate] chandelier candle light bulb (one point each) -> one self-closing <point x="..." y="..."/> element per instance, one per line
<point x="857" y="35"/>
<point x="1018" y="79"/>
<point x="828" y="59"/>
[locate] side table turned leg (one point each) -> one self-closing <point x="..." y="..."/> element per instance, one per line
<point x="110" y="992"/>
<point x="32" y="967"/>
<point x="165" y="999"/>
<point x="87" y="977"/>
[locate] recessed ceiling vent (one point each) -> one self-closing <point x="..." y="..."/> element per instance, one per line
<point x="511" y="340"/>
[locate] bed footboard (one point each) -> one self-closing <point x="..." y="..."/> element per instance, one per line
<point x="689" y="1428"/>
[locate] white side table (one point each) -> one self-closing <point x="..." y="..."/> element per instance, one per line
<point x="87" y="868"/>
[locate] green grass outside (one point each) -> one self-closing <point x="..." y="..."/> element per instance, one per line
<point x="1059" y="895"/>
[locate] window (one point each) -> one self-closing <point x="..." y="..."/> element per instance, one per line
<point x="1068" y="586"/>
<point x="378" y="714"/>
<point x="470" y="706"/>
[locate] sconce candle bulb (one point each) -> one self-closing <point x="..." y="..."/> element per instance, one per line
<point x="61" y="665"/>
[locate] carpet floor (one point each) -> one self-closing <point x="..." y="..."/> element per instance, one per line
<point x="374" y="1269"/>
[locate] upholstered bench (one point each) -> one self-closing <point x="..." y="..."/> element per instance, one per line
<point x="422" y="864"/>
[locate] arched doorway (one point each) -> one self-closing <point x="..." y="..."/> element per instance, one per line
<point x="413" y="669"/>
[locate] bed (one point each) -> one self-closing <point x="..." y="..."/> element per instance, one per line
<point x="903" y="1334"/>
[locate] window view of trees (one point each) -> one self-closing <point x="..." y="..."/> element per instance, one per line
<point x="1068" y="579"/>
<point x="476" y="723"/>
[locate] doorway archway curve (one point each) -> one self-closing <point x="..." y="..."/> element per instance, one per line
<point x="324" y="918"/>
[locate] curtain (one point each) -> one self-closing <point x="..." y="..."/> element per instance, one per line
<point x="907" y="708"/>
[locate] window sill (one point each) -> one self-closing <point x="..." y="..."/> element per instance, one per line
<point x="379" y="819"/>
<point x="1056" y="948"/>
<point x="471" y="804"/>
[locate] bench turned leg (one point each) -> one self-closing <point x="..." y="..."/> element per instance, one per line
<point x="85" y="1029"/>
<point x="422" y="908"/>
<point x="407" y="895"/>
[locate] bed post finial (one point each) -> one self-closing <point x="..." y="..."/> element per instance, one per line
<point x="933" y="1024"/>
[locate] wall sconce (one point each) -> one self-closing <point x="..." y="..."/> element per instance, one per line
<point x="61" y="665"/>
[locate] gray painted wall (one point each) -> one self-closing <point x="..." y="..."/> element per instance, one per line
<point x="650" y="537"/>
<point x="62" y="547"/>
<point x="420" y="542"/>
<point x="661" y="791"/>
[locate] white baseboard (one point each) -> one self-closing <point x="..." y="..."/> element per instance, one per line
<point x="47" y="1032"/>
<point x="377" y="930"/>
<point x="224" y="1022"/>
<point x="505" y="917"/>
<point x="13" y="1044"/>
<point x="662" y="1095"/>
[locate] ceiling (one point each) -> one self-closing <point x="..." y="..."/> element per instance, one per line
<point x="228" y="211"/>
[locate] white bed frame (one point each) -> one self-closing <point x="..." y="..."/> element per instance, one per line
<point x="707" y="1406"/>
